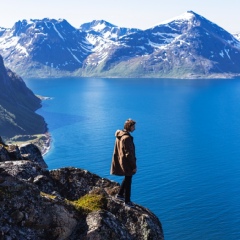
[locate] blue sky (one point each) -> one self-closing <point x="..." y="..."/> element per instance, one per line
<point x="141" y="14"/>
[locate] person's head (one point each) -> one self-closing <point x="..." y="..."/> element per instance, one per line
<point x="129" y="125"/>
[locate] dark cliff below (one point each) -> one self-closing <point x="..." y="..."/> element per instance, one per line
<point x="17" y="106"/>
<point x="67" y="203"/>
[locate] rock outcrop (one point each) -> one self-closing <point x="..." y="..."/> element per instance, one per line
<point x="37" y="203"/>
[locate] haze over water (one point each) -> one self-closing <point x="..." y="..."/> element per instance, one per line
<point x="187" y="141"/>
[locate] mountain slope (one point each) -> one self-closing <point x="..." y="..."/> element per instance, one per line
<point x="188" y="46"/>
<point x="48" y="45"/>
<point x="106" y="30"/>
<point x="17" y="106"/>
<point x="237" y="36"/>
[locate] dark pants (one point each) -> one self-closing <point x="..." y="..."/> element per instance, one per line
<point x="125" y="188"/>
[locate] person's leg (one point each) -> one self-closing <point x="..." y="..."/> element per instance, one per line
<point x="122" y="188"/>
<point x="127" y="186"/>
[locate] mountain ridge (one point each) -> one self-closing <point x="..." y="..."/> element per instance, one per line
<point x="187" y="46"/>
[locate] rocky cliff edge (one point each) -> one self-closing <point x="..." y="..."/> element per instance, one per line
<point x="67" y="203"/>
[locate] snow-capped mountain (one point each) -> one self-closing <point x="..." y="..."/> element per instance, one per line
<point x="45" y="44"/>
<point x="103" y="36"/>
<point x="186" y="46"/>
<point x="183" y="47"/>
<point x="2" y="30"/>
<point x="106" y="30"/>
<point x="237" y="36"/>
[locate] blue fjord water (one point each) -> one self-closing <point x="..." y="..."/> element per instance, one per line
<point x="187" y="142"/>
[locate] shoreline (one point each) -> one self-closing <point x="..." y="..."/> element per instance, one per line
<point x="42" y="141"/>
<point x="47" y="147"/>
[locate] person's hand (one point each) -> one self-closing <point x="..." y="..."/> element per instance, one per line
<point x="134" y="170"/>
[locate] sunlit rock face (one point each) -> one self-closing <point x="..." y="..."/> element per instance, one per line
<point x="39" y="204"/>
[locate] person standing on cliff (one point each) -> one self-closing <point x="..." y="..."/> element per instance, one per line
<point x="124" y="161"/>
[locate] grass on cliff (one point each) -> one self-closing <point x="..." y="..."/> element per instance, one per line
<point x="46" y="195"/>
<point x="90" y="203"/>
<point x="40" y="140"/>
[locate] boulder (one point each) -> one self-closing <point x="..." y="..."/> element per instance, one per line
<point x="4" y="155"/>
<point x="31" y="152"/>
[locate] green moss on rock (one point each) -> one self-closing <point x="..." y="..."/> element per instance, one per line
<point x="90" y="203"/>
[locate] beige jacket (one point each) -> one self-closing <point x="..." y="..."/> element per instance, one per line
<point x="124" y="159"/>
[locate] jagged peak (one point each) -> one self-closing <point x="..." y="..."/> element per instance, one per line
<point x="96" y="25"/>
<point x="190" y="19"/>
<point x="28" y="22"/>
<point x="103" y="22"/>
<point x="51" y="20"/>
<point x="186" y="16"/>
<point x="23" y="25"/>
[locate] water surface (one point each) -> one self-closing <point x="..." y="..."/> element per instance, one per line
<point x="187" y="142"/>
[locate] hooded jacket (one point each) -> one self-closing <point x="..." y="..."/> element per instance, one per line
<point x="124" y="159"/>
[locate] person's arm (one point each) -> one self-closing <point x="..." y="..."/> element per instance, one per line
<point x="130" y="153"/>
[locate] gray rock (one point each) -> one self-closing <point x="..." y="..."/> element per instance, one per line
<point x="14" y="152"/>
<point x="22" y="169"/>
<point x="104" y="225"/>
<point x="38" y="204"/>
<point x="31" y="152"/>
<point x="28" y="151"/>
<point x="4" y="155"/>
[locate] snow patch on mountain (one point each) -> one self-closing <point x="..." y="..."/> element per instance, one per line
<point x="22" y="50"/>
<point x="100" y="26"/>
<point x="186" y="41"/>
<point x="8" y="42"/>
<point x="237" y="36"/>
<point x="74" y="56"/>
<point x="187" y="16"/>
<point x="59" y="34"/>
